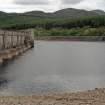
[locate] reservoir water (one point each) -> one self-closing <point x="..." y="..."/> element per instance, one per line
<point x="55" y="66"/>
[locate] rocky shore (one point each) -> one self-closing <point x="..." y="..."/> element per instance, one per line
<point x="93" y="97"/>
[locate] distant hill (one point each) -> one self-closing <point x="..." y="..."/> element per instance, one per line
<point x="10" y="19"/>
<point x="65" y="13"/>
<point x="99" y="12"/>
<point x="73" y="13"/>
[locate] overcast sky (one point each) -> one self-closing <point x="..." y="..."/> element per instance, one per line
<point x="49" y="5"/>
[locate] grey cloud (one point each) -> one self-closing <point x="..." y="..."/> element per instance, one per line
<point x="71" y="1"/>
<point x="31" y="2"/>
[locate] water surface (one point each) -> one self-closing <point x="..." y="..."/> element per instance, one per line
<point x="55" y="66"/>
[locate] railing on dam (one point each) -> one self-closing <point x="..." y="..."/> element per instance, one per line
<point x="13" y="43"/>
<point x="11" y="39"/>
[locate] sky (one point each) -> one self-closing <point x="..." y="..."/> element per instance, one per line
<point x="49" y="5"/>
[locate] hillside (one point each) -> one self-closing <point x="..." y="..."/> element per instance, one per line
<point x="73" y="13"/>
<point x="99" y="12"/>
<point x="64" y="13"/>
<point x="34" y="18"/>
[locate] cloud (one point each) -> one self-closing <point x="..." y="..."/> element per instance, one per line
<point x="2" y="2"/>
<point x="101" y="4"/>
<point x="31" y="2"/>
<point x="49" y="5"/>
<point x="91" y="5"/>
<point x="71" y="1"/>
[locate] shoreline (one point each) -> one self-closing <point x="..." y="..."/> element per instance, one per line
<point x="71" y="38"/>
<point x="90" y="97"/>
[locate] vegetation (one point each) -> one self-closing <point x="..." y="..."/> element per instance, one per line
<point x="58" y="23"/>
<point x="86" y="31"/>
<point x="95" y="21"/>
<point x="65" y="18"/>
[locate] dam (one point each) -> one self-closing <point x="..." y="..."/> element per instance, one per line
<point x="14" y="42"/>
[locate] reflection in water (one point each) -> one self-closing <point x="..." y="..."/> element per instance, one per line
<point x="55" y="66"/>
<point x="3" y="79"/>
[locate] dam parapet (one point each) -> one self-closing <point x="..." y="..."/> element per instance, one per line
<point x="14" y="43"/>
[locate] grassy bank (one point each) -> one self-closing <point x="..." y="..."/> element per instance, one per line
<point x="85" y="33"/>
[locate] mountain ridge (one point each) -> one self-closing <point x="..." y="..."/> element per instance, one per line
<point x="63" y="13"/>
<point x="35" y="18"/>
<point x="66" y="13"/>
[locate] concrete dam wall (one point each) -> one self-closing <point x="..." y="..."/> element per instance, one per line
<point x="11" y="39"/>
<point x="14" y="42"/>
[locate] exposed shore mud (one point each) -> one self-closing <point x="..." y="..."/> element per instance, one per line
<point x="94" y="97"/>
